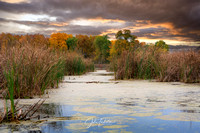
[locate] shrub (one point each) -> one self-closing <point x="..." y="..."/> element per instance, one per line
<point x="76" y="64"/>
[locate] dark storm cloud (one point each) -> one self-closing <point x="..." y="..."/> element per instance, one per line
<point x="20" y="7"/>
<point x="72" y="29"/>
<point x="183" y="14"/>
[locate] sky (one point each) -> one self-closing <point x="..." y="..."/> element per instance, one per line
<point x="177" y="22"/>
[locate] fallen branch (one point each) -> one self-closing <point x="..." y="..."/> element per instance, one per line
<point x="21" y="113"/>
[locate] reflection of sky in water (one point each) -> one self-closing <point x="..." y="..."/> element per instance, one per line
<point x="130" y="106"/>
<point x="119" y="123"/>
<point x="136" y="106"/>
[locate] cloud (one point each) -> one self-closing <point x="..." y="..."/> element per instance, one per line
<point x="146" y="18"/>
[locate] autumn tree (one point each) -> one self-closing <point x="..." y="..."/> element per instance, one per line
<point x="58" y="40"/>
<point x="119" y="46"/>
<point x="92" y="38"/>
<point x="102" y="48"/>
<point x="85" y="45"/>
<point x="35" y="40"/>
<point x="7" y="40"/>
<point x="125" y="41"/>
<point x="112" y="49"/>
<point x="161" y="44"/>
<point x="143" y="43"/>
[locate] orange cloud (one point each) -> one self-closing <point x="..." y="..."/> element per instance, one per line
<point x="97" y="22"/>
<point x="59" y="24"/>
<point x="147" y="24"/>
<point x="15" y="1"/>
<point x="195" y="32"/>
<point x="102" y="20"/>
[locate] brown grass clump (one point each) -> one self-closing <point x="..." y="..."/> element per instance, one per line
<point x="153" y="63"/>
<point x="139" y="63"/>
<point x="180" y="66"/>
<point x="76" y="64"/>
<point x="28" y="66"/>
<point x="30" y="70"/>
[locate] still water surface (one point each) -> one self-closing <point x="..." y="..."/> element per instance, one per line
<point x="96" y="103"/>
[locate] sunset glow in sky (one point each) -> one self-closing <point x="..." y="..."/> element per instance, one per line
<point x="174" y="21"/>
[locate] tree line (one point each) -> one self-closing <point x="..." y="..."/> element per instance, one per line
<point x="98" y="48"/>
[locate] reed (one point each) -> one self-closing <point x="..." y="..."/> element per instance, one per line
<point x="180" y="66"/>
<point x="29" y="70"/>
<point x="77" y="65"/>
<point x="150" y="62"/>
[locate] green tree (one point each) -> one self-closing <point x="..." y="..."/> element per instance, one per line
<point x="102" y="47"/>
<point x="162" y="44"/>
<point x="126" y="35"/>
<point x="71" y="43"/>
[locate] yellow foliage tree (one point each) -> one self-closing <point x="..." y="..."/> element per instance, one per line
<point x="58" y="40"/>
<point x="121" y="45"/>
<point x="112" y="50"/>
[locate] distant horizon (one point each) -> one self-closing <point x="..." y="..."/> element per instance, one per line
<point x="176" y="22"/>
<point x="196" y="44"/>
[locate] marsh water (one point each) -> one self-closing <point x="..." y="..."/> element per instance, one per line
<point x="95" y="102"/>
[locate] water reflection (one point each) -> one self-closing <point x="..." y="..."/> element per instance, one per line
<point x="53" y="110"/>
<point x="140" y="121"/>
<point x="129" y="106"/>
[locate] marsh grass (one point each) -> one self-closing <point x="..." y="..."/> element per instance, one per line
<point x="77" y="65"/>
<point x="153" y="63"/>
<point x="28" y="70"/>
<point x="10" y="84"/>
<point x="180" y="66"/>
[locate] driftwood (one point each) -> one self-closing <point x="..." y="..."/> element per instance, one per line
<point x="21" y="113"/>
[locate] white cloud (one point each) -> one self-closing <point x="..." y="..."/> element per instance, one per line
<point x="35" y="17"/>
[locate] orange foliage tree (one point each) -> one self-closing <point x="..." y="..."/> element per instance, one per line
<point x="7" y="39"/>
<point x="85" y="45"/>
<point x="58" y="40"/>
<point x="35" y="40"/>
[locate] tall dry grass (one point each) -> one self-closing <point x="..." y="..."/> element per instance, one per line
<point x="153" y="63"/>
<point x="137" y="63"/>
<point x="180" y="66"/>
<point x="30" y="70"/>
<point x="28" y="66"/>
